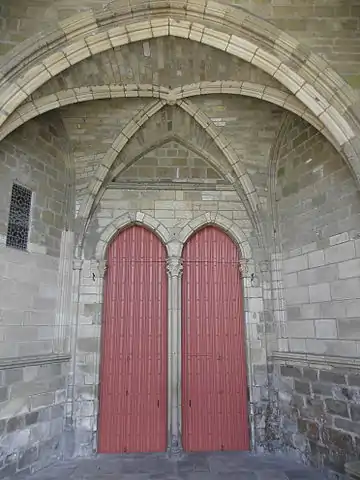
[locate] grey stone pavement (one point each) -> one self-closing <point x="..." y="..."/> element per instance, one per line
<point x="213" y="466"/>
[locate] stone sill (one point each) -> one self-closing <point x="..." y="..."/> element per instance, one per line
<point x="34" y="360"/>
<point x="310" y="359"/>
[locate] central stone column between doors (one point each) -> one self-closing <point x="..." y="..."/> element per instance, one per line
<point x="174" y="270"/>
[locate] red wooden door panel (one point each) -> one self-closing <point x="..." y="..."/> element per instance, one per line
<point x="133" y="402"/>
<point x="214" y="385"/>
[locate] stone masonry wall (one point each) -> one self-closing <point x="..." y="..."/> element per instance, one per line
<point x="167" y="61"/>
<point x="322" y="412"/>
<point x="91" y="128"/>
<point x="318" y="210"/>
<point x="172" y="163"/>
<point x="330" y="28"/>
<point x="174" y="209"/>
<point x="34" y="156"/>
<point x="32" y="402"/>
<point x="251" y="125"/>
<point x="32" y="387"/>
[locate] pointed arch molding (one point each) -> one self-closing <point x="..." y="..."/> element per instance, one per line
<point x="242" y="180"/>
<point x="123" y="221"/>
<point x="273" y="164"/>
<point x="286" y="100"/>
<point x="227" y="225"/>
<point x="173" y="245"/>
<point x="162" y="140"/>
<point x="325" y="93"/>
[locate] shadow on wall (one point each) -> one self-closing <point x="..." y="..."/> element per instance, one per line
<point x="33" y="379"/>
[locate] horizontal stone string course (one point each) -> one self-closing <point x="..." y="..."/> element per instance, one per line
<point x="308" y="359"/>
<point x="18" y="362"/>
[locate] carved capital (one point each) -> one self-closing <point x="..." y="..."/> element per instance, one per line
<point x="264" y="266"/>
<point x="244" y="266"/>
<point x="77" y="264"/>
<point x="174" y="266"/>
<point x="102" y="266"/>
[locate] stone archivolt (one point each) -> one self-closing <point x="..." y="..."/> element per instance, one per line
<point x="273" y="120"/>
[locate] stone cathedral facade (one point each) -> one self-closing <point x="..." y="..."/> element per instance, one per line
<point x="179" y="228"/>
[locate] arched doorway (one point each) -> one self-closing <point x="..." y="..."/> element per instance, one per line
<point x="133" y="373"/>
<point x="214" y="384"/>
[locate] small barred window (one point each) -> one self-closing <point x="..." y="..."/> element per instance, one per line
<point x="19" y="217"/>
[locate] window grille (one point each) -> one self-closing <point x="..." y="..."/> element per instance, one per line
<point x="19" y="217"/>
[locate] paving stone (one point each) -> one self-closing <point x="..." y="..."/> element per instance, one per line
<point x="212" y="466"/>
<point x="195" y="463"/>
<point x="240" y="475"/>
<point x="271" y="475"/>
<point x="197" y="476"/>
<point x="302" y="475"/>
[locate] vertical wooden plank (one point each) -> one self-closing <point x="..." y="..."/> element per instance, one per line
<point x="133" y="403"/>
<point x="215" y="405"/>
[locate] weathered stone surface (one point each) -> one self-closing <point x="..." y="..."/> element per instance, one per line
<point x="327" y="419"/>
<point x="355" y="413"/>
<point x="24" y="437"/>
<point x="302" y="387"/>
<point x="220" y="153"/>
<point x="337" y="407"/>
<point x="310" y="374"/>
<point x="289" y="371"/>
<point x="330" y="377"/>
<point x="353" y="469"/>
<point x="196" y="466"/>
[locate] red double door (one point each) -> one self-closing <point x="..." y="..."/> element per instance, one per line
<point x="133" y="377"/>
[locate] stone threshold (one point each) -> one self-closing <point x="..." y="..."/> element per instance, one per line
<point x="34" y="360"/>
<point x="311" y="359"/>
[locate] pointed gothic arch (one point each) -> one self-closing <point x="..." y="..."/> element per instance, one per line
<point x="124" y="221"/>
<point x="97" y="186"/>
<point x="72" y="96"/>
<point x="316" y="85"/>
<point x="159" y="142"/>
<point x="225" y="224"/>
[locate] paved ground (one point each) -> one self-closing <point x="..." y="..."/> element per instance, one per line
<point x="217" y="466"/>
